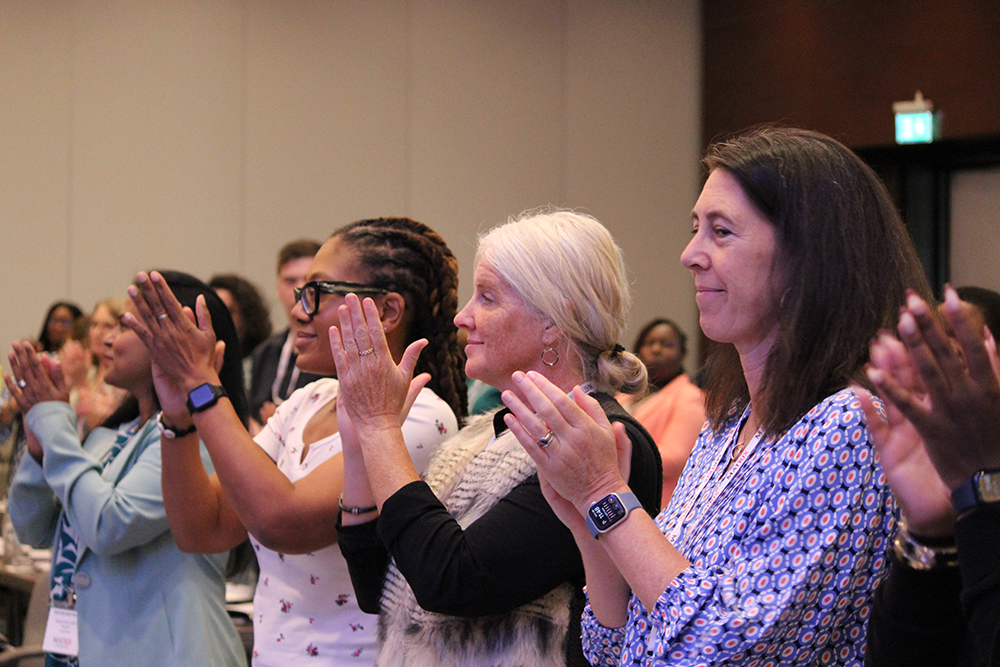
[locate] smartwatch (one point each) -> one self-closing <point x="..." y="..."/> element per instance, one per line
<point x="204" y="396"/>
<point x="609" y="511"/>
<point x="170" y="432"/>
<point x="984" y="487"/>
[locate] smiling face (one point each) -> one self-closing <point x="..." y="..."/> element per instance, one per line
<point x="504" y="334"/>
<point x="126" y="360"/>
<point x="732" y="260"/>
<point x="334" y="262"/>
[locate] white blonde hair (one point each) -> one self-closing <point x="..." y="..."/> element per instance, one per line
<point x="566" y="266"/>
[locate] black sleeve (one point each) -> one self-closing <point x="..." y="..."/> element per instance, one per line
<point x="513" y="554"/>
<point x="916" y="619"/>
<point x="978" y="539"/>
<point x="367" y="560"/>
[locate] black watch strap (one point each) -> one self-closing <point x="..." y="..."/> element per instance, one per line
<point x="171" y="432"/>
<point x="204" y="396"/>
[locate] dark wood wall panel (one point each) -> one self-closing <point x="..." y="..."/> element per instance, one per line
<point x="838" y="65"/>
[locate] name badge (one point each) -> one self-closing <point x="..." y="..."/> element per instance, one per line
<point x="61" y="632"/>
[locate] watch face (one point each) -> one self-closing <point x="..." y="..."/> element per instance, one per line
<point x="201" y="395"/>
<point x="989" y="486"/>
<point x="606" y="512"/>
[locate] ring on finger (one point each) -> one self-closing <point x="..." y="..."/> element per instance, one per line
<point x="546" y="440"/>
<point x="161" y="316"/>
<point x="365" y="353"/>
<point x="21" y="384"/>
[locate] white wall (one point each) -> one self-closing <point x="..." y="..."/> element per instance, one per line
<point x="975" y="228"/>
<point x="203" y="135"/>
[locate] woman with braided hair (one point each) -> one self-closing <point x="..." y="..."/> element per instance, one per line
<point x="472" y="567"/>
<point x="282" y="487"/>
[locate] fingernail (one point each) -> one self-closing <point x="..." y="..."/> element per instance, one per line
<point x="915" y="303"/>
<point x="533" y="375"/>
<point x="141" y="278"/>
<point x="874" y="375"/>
<point x="518" y="377"/>
<point x="951" y="299"/>
<point x="907" y="325"/>
<point x="155" y="277"/>
<point x="132" y="290"/>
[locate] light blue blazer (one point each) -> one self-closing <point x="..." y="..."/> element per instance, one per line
<point x="147" y="603"/>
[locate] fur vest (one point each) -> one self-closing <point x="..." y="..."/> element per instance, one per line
<point x="470" y="478"/>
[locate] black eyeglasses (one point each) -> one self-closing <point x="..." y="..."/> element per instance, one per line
<point x="308" y="294"/>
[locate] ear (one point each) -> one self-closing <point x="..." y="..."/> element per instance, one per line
<point x="551" y="335"/>
<point x="393" y="311"/>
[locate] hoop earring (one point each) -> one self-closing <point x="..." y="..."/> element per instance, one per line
<point x="553" y="351"/>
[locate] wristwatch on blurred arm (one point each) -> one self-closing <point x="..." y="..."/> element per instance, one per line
<point x="982" y="488"/>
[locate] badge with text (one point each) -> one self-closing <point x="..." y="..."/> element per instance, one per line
<point x="60" y="632"/>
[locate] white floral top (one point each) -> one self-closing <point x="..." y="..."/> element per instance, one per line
<point x="304" y="606"/>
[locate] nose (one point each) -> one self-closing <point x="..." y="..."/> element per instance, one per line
<point x="693" y="255"/>
<point x="299" y="313"/>
<point x="463" y="320"/>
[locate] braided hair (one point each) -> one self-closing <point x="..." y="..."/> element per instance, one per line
<point x="405" y="256"/>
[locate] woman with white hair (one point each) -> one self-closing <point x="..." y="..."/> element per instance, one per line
<point x="472" y="566"/>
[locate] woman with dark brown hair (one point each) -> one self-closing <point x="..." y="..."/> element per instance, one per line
<point x="776" y="533"/>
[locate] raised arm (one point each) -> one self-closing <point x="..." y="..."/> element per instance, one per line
<point x="250" y="489"/>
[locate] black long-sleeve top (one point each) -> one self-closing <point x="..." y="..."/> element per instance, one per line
<point x="515" y="553"/>
<point x="943" y="618"/>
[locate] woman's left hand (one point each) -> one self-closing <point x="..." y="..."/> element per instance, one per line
<point x="373" y="388"/>
<point x="586" y="459"/>
<point x="36" y="379"/>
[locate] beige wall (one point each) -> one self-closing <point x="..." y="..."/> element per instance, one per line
<point x="975" y="228"/>
<point x="202" y="135"/>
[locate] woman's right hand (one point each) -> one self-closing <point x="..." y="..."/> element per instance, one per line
<point x="923" y="498"/>
<point x="36" y="379"/>
<point x="182" y="346"/>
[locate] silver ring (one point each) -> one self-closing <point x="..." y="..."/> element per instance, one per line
<point x="546" y="440"/>
<point x="21" y="384"/>
<point x="161" y="316"/>
<point x="365" y="353"/>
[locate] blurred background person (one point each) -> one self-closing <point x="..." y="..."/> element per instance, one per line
<point x="250" y="314"/>
<point x="56" y="326"/>
<point x="673" y="409"/>
<point x="274" y="375"/>
<point x="940" y="450"/>
<point x="83" y="368"/>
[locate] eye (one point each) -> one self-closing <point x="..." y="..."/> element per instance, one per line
<point x="721" y="231"/>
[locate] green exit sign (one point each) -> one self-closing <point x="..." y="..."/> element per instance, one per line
<point x="915" y="128"/>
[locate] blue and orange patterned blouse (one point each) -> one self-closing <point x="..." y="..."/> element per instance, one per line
<point x="784" y="556"/>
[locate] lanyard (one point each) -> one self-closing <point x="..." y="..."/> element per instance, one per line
<point x="686" y="514"/>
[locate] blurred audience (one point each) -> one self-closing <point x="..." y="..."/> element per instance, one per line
<point x="673" y="410"/>
<point x="274" y="375"/>
<point x="245" y="303"/>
